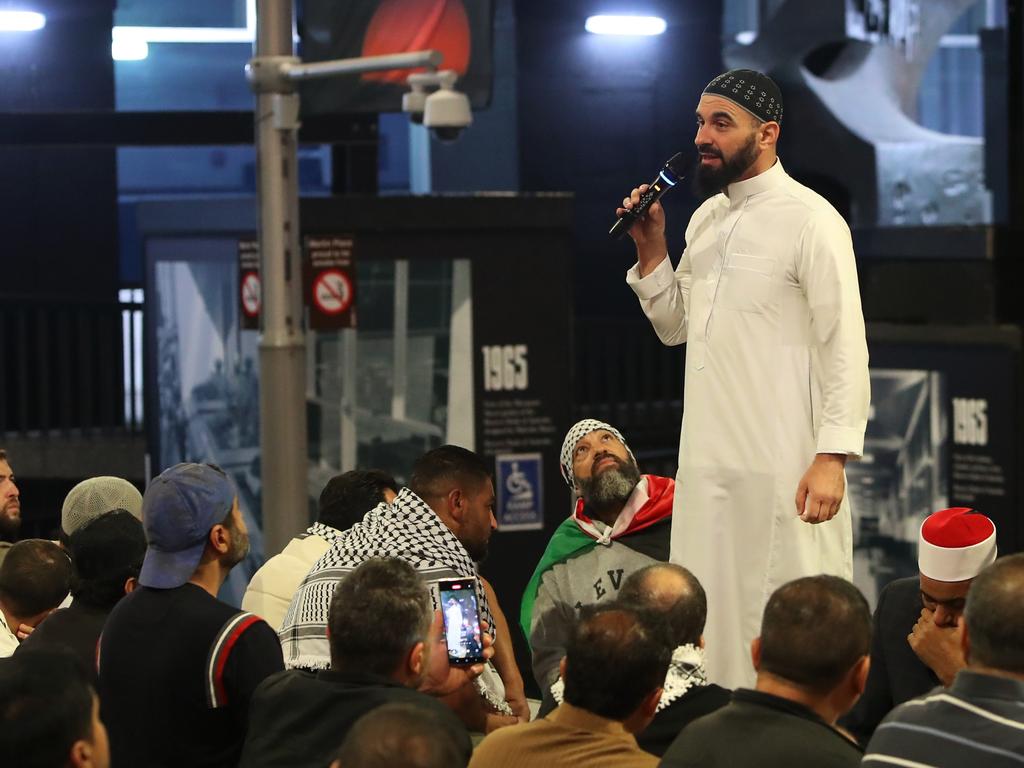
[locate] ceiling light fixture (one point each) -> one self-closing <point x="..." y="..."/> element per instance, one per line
<point x="21" y="21"/>
<point x="625" y="25"/>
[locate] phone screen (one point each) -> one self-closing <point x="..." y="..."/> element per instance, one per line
<point x="461" y="621"/>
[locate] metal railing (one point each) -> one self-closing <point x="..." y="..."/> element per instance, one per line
<point x="70" y="365"/>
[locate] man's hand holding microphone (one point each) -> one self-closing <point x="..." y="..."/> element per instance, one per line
<point x="643" y="217"/>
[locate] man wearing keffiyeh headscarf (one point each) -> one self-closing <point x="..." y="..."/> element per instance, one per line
<point x="776" y="390"/>
<point x="620" y="523"/>
<point x="441" y="525"/>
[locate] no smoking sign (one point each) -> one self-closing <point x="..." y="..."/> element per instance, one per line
<point x="332" y="292"/>
<point x="331" y="282"/>
<point x="251" y="294"/>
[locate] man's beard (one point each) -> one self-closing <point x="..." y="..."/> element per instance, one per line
<point x="477" y="550"/>
<point x="10" y="524"/>
<point x="612" y="487"/>
<point x="708" y="181"/>
<point x="239" y="549"/>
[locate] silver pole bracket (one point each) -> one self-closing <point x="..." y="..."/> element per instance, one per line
<point x="271" y="74"/>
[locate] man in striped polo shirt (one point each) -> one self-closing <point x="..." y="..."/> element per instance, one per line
<point x="177" y="666"/>
<point x="979" y="720"/>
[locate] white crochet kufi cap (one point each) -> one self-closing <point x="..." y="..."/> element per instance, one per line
<point x="96" y="497"/>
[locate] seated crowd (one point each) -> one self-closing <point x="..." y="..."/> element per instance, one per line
<point x="115" y="649"/>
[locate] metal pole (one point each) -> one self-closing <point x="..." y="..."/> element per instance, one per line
<point x="400" y="356"/>
<point x="349" y="399"/>
<point x="272" y="73"/>
<point x="459" y="429"/>
<point x="282" y="336"/>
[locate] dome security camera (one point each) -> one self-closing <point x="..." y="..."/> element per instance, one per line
<point x="446" y="112"/>
<point x="415" y="102"/>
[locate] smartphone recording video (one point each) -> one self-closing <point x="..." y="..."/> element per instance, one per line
<point x="461" y="621"/>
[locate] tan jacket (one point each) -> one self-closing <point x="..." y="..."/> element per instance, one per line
<point x="570" y="737"/>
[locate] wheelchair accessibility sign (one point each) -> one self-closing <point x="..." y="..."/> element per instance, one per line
<point x="520" y="492"/>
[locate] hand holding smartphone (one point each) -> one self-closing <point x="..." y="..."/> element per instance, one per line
<point x="461" y="614"/>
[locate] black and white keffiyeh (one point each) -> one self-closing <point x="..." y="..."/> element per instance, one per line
<point x="573" y="436"/>
<point x="407" y="529"/>
<point x="685" y="672"/>
<point x="325" y="532"/>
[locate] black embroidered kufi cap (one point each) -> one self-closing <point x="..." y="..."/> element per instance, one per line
<point x="753" y="91"/>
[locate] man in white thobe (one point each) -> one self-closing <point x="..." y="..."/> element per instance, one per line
<point x="776" y="390"/>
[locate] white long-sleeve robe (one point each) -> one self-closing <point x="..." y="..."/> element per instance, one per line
<point x="767" y="300"/>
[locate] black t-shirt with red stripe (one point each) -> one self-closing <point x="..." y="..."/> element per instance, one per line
<point x="177" y="670"/>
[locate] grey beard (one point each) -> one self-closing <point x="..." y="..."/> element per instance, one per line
<point x="610" y="488"/>
<point x="239" y="550"/>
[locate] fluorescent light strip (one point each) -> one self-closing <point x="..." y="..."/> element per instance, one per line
<point x="21" y="21"/>
<point x="184" y="34"/>
<point x="246" y="34"/>
<point x="128" y="48"/>
<point x="625" y="25"/>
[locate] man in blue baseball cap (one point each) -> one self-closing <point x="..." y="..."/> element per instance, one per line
<point x="177" y="666"/>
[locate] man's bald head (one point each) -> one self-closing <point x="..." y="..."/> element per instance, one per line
<point x="34" y="579"/>
<point x="407" y="735"/>
<point x="673" y="592"/>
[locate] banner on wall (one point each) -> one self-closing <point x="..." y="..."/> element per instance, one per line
<point x="461" y="30"/>
<point x="942" y="433"/>
<point x="521" y="386"/>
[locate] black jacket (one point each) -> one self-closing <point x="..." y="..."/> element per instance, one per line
<point x="76" y="628"/>
<point x="669" y="722"/>
<point x="298" y="719"/>
<point x="177" y="670"/>
<point x="758" y="730"/>
<point x="897" y="674"/>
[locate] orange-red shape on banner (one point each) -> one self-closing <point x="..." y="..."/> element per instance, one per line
<point x="401" y="26"/>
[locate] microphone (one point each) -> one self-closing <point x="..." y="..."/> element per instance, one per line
<point x="668" y="177"/>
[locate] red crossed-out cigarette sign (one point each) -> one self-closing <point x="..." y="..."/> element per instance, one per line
<point x="330" y="282"/>
<point x="332" y="292"/>
<point x="250" y="293"/>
